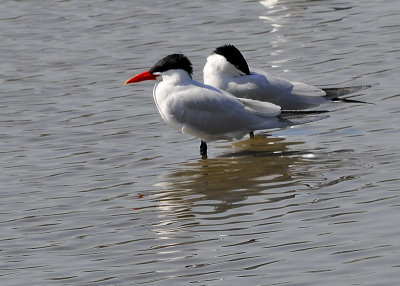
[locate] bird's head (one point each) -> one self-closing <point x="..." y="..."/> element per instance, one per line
<point x="226" y="60"/>
<point x="168" y="63"/>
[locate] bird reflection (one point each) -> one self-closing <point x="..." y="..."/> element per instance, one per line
<point x="257" y="164"/>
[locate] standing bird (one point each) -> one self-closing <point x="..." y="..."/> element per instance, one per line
<point x="227" y="69"/>
<point x="207" y="112"/>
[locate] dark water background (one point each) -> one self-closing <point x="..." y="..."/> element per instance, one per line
<point x="97" y="190"/>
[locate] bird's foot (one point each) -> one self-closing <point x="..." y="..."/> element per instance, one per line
<point x="203" y="149"/>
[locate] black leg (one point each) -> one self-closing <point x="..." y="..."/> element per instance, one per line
<point x="203" y="149"/>
<point x="251" y="134"/>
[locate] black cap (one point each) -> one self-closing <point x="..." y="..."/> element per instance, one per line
<point x="174" y="61"/>
<point x="234" y="56"/>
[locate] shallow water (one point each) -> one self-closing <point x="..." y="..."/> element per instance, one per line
<point x="97" y="190"/>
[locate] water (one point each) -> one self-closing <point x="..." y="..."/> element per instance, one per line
<point x="96" y="190"/>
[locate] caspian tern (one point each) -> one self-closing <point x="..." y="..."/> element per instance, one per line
<point x="227" y="69"/>
<point x="204" y="111"/>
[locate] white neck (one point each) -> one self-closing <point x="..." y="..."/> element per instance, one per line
<point x="172" y="81"/>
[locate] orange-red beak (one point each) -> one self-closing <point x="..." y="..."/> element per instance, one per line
<point x="141" y="77"/>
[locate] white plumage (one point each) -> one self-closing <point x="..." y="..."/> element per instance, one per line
<point x="227" y="69"/>
<point x="209" y="113"/>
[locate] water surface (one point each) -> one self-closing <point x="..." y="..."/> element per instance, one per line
<point x="97" y="190"/>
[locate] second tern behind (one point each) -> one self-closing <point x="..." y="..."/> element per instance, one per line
<point x="227" y="69"/>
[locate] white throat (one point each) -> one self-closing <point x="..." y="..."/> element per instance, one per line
<point x="175" y="76"/>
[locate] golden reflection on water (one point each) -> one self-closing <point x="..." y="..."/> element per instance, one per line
<point x="254" y="166"/>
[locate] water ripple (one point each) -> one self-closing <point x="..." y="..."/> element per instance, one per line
<point x="97" y="190"/>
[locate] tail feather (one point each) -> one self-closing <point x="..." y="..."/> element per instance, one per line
<point x="336" y="92"/>
<point x="303" y="116"/>
<point x="302" y="112"/>
<point x="347" y="99"/>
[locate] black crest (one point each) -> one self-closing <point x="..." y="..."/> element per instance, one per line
<point x="174" y="61"/>
<point x="234" y="56"/>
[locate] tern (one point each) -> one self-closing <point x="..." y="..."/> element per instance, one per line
<point x="227" y="69"/>
<point x="207" y="112"/>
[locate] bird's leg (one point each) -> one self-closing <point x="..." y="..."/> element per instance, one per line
<point x="251" y="134"/>
<point x="203" y="149"/>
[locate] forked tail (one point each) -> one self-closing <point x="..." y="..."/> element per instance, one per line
<point x="337" y="93"/>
